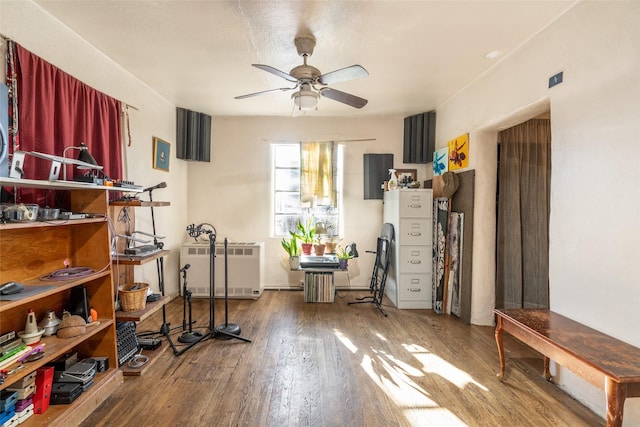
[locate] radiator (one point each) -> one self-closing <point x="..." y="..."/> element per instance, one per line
<point x="245" y="269"/>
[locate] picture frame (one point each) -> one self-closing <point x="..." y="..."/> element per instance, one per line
<point x="401" y="173"/>
<point x="161" y="154"/>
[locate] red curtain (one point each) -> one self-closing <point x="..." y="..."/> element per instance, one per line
<point x="55" y="110"/>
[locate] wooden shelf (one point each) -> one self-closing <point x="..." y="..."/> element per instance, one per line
<point x="54" y="348"/>
<point x="139" y="315"/>
<point x="153" y="355"/>
<point x="61" y="185"/>
<point x="33" y="250"/>
<point x="57" y="286"/>
<point x="135" y="203"/>
<point x="51" y="223"/>
<point x="104" y="383"/>
<point x="123" y="259"/>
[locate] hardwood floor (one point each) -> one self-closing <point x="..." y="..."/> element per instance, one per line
<point x="338" y="365"/>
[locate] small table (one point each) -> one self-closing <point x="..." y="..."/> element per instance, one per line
<point x="600" y="359"/>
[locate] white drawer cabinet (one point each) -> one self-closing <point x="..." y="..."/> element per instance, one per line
<point x="409" y="277"/>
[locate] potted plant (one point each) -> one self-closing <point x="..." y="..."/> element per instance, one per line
<point x="306" y="234"/>
<point x="318" y="246"/>
<point x="331" y="244"/>
<point x="291" y="247"/>
<point x="343" y="257"/>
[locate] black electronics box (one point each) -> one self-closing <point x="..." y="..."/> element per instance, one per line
<point x="65" y="361"/>
<point x="64" y="393"/>
<point x="101" y="363"/>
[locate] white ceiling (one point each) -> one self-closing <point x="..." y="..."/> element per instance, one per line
<point x="198" y="54"/>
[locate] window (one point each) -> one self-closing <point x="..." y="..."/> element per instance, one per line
<point x="287" y="207"/>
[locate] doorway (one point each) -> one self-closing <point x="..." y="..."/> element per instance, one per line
<point x="523" y="207"/>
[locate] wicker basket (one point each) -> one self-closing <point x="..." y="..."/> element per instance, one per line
<point x="133" y="300"/>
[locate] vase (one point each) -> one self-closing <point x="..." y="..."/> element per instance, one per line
<point x="306" y="248"/>
<point x="294" y="262"/>
<point x="343" y="263"/>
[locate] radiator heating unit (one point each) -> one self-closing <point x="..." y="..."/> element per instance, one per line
<point x="245" y="263"/>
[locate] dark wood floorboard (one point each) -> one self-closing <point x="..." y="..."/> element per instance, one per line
<point x="338" y="365"/>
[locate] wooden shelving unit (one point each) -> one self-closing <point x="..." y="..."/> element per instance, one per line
<point x="32" y="250"/>
<point x="125" y="264"/>
<point x="140" y="315"/>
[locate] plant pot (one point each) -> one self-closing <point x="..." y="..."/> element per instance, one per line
<point x="306" y="248"/>
<point x="294" y="262"/>
<point x="330" y="247"/>
<point x="319" y="249"/>
<point x="343" y="263"/>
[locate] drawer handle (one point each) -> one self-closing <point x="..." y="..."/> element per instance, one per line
<point x="414" y="289"/>
<point x="415" y="233"/>
<point x="415" y="261"/>
<point x="415" y="281"/>
<point x="415" y="206"/>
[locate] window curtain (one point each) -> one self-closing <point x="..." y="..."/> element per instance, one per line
<point x="317" y="174"/>
<point x="522" y="276"/>
<point x="53" y="110"/>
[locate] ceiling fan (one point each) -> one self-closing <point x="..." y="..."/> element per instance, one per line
<point x="311" y="83"/>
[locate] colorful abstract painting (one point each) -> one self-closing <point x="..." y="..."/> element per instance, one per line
<point x="459" y="152"/>
<point x="440" y="161"/>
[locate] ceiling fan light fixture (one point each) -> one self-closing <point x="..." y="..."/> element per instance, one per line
<point x="305" y="99"/>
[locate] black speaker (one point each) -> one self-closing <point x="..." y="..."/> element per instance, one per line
<point x="79" y="303"/>
<point x="4" y="130"/>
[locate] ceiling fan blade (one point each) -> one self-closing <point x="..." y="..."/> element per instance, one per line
<point x="343" y="97"/>
<point x="270" y="69"/>
<point x="249" y="95"/>
<point x="349" y="73"/>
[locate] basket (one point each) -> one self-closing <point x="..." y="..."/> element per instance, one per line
<point x="133" y="300"/>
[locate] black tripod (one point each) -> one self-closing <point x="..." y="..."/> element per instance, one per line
<point x="195" y="231"/>
<point x="187" y="337"/>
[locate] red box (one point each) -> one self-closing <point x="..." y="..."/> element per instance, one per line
<point x="44" y="379"/>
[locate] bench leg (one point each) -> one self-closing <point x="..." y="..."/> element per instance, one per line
<point x="616" y="395"/>
<point x="500" y="347"/>
<point x="547" y="372"/>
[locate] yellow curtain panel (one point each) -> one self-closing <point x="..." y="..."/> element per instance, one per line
<point x="317" y="178"/>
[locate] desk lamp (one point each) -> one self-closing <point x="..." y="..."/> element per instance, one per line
<point x="83" y="156"/>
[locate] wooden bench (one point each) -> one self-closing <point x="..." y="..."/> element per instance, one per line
<point x="603" y="361"/>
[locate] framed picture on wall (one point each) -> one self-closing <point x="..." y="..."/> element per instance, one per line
<point x="161" y="154"/>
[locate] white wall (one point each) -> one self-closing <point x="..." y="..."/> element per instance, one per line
<point x="233" y="192"/>
<point x="38" y="32"/>
<point x="595" y="201"/>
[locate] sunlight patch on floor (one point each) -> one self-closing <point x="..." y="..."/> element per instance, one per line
<point x="434" y="364"/>
<point x="432" y="417"/>
<point x="345" y="341"/>
<point x="396" y="384"/>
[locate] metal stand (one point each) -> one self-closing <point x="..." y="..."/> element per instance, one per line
<point x="378" y="277"/>
<point x="165" y="328"/>
<point x="227" y="330"/>
<point x="195" y="231"/>
<point x="187" y="337"/>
